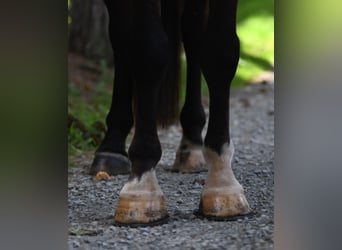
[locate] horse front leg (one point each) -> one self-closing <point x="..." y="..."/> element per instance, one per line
<point x="223" y="195"/>
<point x="111" y="157"/>
<point x="141" y="199"/>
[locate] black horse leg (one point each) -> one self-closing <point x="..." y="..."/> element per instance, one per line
<point x="111" y="156"/>
<point x="141" y="199"/>
<point x="222" y="195"/>
<point x="189" y="157"/>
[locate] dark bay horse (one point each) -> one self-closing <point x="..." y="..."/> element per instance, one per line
<point x="146" y="37"/>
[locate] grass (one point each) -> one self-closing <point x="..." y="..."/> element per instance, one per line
<point x="255" y="29"/>
<point x="86" y="117"/>
<point x="255" y="23"/>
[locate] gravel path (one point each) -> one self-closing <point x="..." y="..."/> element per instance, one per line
<point x="92" y="204"/>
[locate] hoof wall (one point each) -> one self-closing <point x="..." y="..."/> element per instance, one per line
<point x="136" y="210"/>
<point x="110" y="163"/>
<point x="224" y="205"/>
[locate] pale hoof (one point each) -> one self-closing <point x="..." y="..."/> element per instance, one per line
<point x="222" y="205"/>
<point x="222" y="196"/>
<point x="141" y="202"/>
<point x="140" y="209"/>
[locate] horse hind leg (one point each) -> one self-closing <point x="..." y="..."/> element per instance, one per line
<point x="222" y="196"/>
<point x="111" y="157"/>
<point x="189" y="156"/>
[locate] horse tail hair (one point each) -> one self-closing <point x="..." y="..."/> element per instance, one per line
<point x="168" y="98"/>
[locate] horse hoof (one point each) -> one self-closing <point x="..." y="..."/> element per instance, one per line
<point x="223" y="205"/>
<point x="134" y="210"/>
<point x="141" y="202"/>
<point x="111" y="163"/>
<point x="189" y="159"/>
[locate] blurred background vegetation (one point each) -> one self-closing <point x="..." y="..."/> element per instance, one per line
<point x="91" y="67"/>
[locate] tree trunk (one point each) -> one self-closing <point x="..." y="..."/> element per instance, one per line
<point x="88" y="31"/>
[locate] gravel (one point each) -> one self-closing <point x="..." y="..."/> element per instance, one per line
<point x="92" y="204"/>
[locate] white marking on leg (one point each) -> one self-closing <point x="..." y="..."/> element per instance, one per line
<point x="147" y="184"/>
<point x="220" y="175"/>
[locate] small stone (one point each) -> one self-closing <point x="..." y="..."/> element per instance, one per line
<point x="102" y="175"/>
<point x="76" y="243"/>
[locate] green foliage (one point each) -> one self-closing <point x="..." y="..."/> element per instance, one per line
<point x="255" y="27"/>
<point x="87" y="110"/>
<point x="76" y="141"/>
<point x="69" y="17"/>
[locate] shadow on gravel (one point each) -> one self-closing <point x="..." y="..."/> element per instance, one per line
<point x="250" y="215"/>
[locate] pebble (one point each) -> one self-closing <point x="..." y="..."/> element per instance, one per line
<point x="76" y="243"/>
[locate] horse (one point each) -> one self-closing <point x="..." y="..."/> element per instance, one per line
<point x="146" y="37"/>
